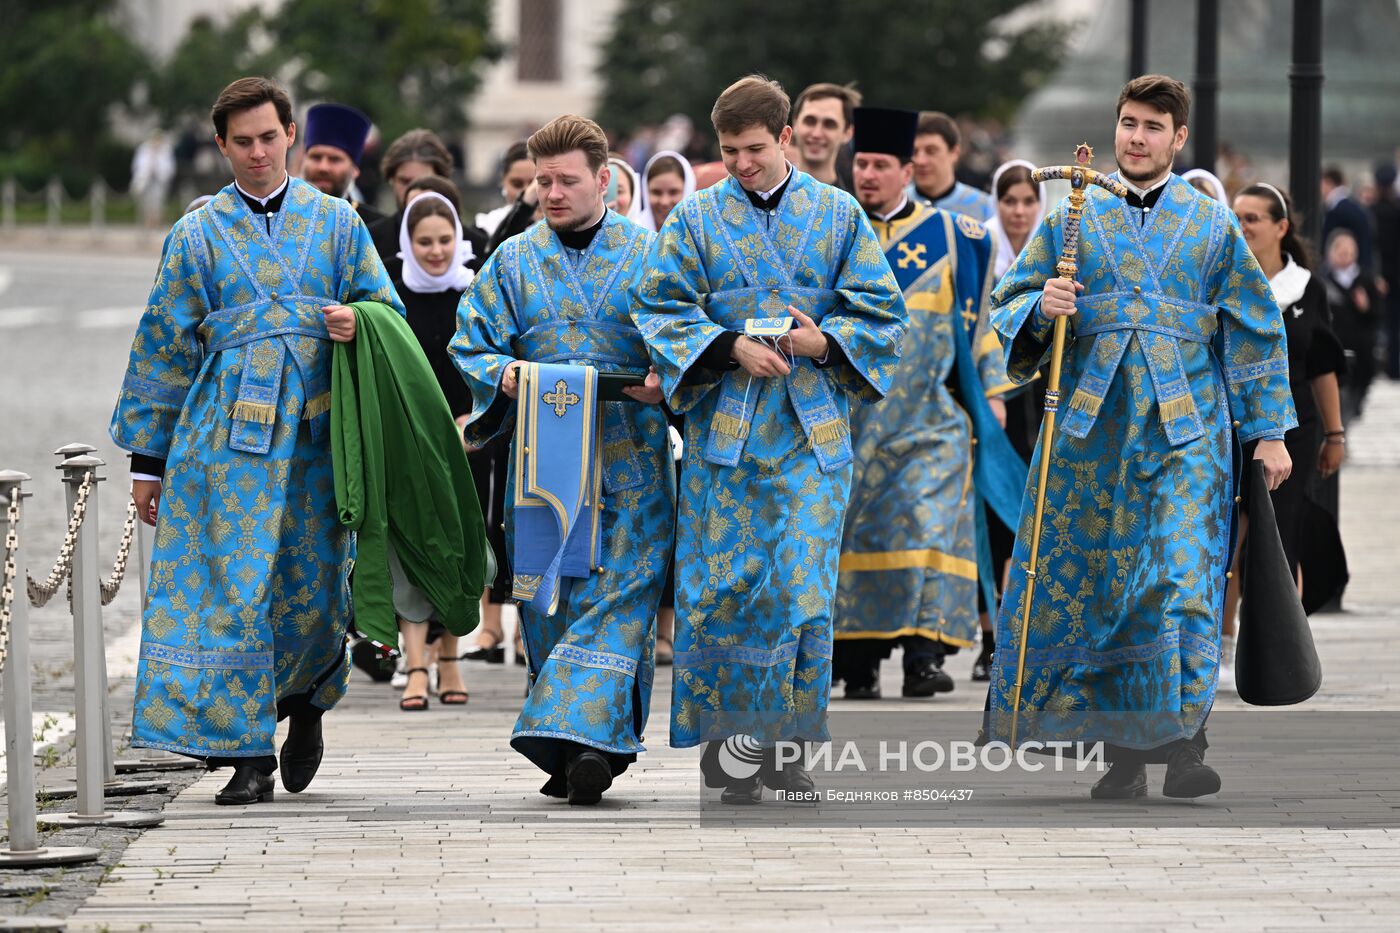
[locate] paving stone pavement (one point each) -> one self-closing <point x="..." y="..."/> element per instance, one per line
<point x="427" y="821"/>
<point x="430" y="821"/>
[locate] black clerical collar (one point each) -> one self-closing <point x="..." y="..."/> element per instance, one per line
<point x="268" y="205"/>
<point x="580" y="239"/>
<point x="1145" y="200"/>
<point x="769" y="203"/>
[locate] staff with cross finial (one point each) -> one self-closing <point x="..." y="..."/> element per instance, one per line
<point x="1058" y="304"/>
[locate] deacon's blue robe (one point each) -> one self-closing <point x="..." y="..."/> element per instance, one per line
<point x="909" y="554"/>
<point x="960" y="199"/>
<point x="229" y="382"/>
<point x="591" y="662"/>
<point x="1176" y="340"/>
<point x="767" y="466"/>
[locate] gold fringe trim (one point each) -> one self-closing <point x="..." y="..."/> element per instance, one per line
<point x="618" y="450"/>
<point x="1083" y="401"/>
<point x="829" y="432"/>
<point x="316" y="406"/>
<point x="728" y="424"/>
<point x="257" y="412"/>
<point x="1177" y="407"/>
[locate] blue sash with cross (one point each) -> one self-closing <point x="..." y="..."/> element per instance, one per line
<point x="558" y="481"/>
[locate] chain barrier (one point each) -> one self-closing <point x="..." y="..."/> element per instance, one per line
<point x="41" y="593"/>
<point x="7" y="591"/>
<point x="112" y="584"/>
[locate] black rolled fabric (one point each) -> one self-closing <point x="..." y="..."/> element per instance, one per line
<point x="1276" y="663"/>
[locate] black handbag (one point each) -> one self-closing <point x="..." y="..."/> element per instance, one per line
<point x="1276" y="663"/>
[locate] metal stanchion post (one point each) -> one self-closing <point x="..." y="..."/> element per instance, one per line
<point x="90" y="664"/>
<point x="23" y="850"/>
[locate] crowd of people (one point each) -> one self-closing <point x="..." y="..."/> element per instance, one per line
<point x="764" y="419"/>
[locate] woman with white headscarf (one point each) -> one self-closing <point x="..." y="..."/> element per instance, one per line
<point x="667" y="180"/>
<point x="624" y="187"/>
<point x="1020" y="204"/>
<point x="1207" y="183"/>
<point x="433" y="276"/>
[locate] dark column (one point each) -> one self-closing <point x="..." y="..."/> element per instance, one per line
<point x="1137" y="39"/>
<point x="1205" y="122"/>
<point x="1305" y="122"/>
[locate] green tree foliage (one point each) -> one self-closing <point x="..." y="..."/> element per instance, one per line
<point x="208" y="57"/>
<point x="405" y="63"/>
<point x="675" y="56"/>
<point x="66" y="66"/>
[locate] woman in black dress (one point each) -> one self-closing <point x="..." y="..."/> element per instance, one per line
<point x="1315" y="359"/>
<point x="433" y="267"/>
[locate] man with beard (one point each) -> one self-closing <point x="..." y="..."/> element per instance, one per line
<point x="909" y="552"/>
<point x="335" y="139"/>
<point x="1177" y="341"/>
<point x="821" y="128"/>
<point x="549" y="307"/>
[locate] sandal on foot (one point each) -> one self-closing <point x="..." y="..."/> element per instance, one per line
<point x="453" y="698"/>
<point x="415" y="704"/>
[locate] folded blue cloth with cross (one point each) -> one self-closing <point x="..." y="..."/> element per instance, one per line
<point x="558" y="481"/>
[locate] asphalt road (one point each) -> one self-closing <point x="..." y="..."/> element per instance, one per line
<point x="66" y="322"/>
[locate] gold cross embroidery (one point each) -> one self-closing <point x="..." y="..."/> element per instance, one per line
<point x="969" y="316"/>
<point x="561" y="398"/>
<point x="915" y="256"/>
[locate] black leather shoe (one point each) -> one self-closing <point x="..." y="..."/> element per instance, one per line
<point x="1188" y="775"/>
<point x="301" y="753"/>
<point x="982" y="668"/>
<point x="1124" y="781"/>
<point x="793" y="778"/>
<point x="248" y="785"/>
<point x="367" y="656"/>
<point x="588" y="775"/>
<point x="927" y="679"/>
<point x="556" y="786"/>
<point x="870" y="691"/>
<point x="744" y="792"/>
<point x="494" y="655"/>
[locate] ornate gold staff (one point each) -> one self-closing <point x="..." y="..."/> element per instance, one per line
<point x="1080" y="177"/>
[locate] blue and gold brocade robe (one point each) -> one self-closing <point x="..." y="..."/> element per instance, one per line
<point x="909" y="553"/>
<point x="1175" y="340"/>
<point x="592" y="661"/>
<point x="229" y="382"/>
<point x="767" y="466"/>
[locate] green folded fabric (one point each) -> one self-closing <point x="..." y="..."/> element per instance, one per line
<point x="401" y="477"/>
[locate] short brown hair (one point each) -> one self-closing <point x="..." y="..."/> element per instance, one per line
<point x="933" y="121"/>
<point x="848" y="96"/>
<point x="751" y="101"/>
<point x="438" y="185"/>
<point x="418" y="145"/>
<point x="566" y="134"/>
<point x="1159" y="92"/>
<point x="245" y="94"/>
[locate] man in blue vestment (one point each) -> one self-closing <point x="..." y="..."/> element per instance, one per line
<point x="769" y="311"/>
<point x="1176" y="340"/>
<point x="937" y="148"/>
<point x="225" y="407"/>
<point x="553" y="300"/>
<point x="933" y="449"/>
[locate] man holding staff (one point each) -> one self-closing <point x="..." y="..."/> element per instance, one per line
<point x="1176" y="343"/>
